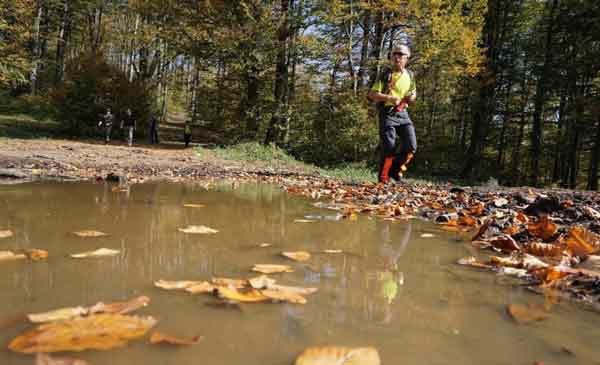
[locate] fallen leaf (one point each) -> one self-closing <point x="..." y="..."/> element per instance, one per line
<point x="36" y="254"/>
<point x="332" y="251"/>
<point x="89" y="233"/>
<point x="101" y="252"/>
<point x="120" y="307"/>
<point x="57" y="314"/>
<point x="261" y="282"/>
<point x="482" y="230"/>
<point x="297" y="255"/>
<point x="198" y="230"/>
<point x="45" y="359"/>
<point x="176" y="285"/>
<point x="337" y="355"/>
<point x="581" y="242"/>
<point x="427" y="235"/>
<point x="236" y="283"/>
<point x="204" y="287"/>
<point x="304" y="221"/>
<point x="250" y="296"/>
<point x="467" y="221"/>
<point x="504" y="243"/>
<point x="543" y="249"/>
<point x="264" y="245"/>
<point x="472" y="261"/>
<point x="9" y="256"/>
<point x="194" y="205"/>
<point x="500" y="202"/>
<point x="544" y="229"/>
<point x="293" y="289"/>
<point x="97" y="332"/>
<point x="271" y="269"/>
<point x="158" y="338"/>
<point x="284" y="296"/>
<point x="6" y="233"/>
<point x="525" y="314"/>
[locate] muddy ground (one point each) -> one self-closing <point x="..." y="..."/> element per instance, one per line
<point x="31" y="159"/>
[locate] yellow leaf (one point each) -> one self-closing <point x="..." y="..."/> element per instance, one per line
<point x="97" y="332"/>
<point x="251" y="296"/>
<point x="176" y="285"/>
<point x="284" y="296"/>
<point x="194" y="205"/>
<point x="204" y="287"/>
<point x="6" y="233"/>
<point x="160" y="338"/>
<point x="89" y="233"/>
<point x="336" y="355"/>
<point x="261" y="282"/>
<point x="304" y="221"/>
<point x="57" y="314"/>
<point x="271" y="269"/>
<point x="198" y="230"/>
<point x="36" y="254"/>
<point x="332" y="251"/>
<point x="236" y="283"/>
<point x="9" y="256"/>
<point x="297" y="255"/>
<point x="101" y="252"/>
<point x="120" y="307"/>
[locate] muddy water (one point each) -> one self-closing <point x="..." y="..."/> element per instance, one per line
<point x="391" y="288"/>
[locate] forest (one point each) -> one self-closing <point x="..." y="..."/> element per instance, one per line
<point x="508" y="90"/>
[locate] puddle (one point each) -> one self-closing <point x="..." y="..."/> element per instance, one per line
<point x="389" y="288"/>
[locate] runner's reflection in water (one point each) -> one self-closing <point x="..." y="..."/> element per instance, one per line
<point x="390" y="279"/>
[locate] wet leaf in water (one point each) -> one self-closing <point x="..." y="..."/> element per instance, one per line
<point x="332" y="251"/>
<point x="297" y="255"/>
<point x="204" y="287"/>
<point x="57" y="314"/>
<point x="337" y="355"/>
<point x="293" y="289"/>
<point x="120" y="307"/>
<point x="97" y="332"/>
<point x="304" y="221"/>
<point x="482" y="230"/>
<point x="427" y="235"/>
<point x="158" y="338"/>
<point x="198" y="230"/>
<point x="525" y="314"/>
<point x="261" y="282"/>
<point x="6" y="233"/>
<point x="472" y="261"/>
<point x="543" y="249"/>
<point x="544" y="229"/>
<point x="271" y="269"/>
<point x="235" y="283"/>
<point x="101" y="252"/>
<point x="9" y="256"/>
<point x="250" y="296"/>
<point x="284" y="296"/>
<point x="264" y="245"/>
<point x="176" y="285"/>
<point x="45" y="359"/>
<point x="194" y="205"/>
<point x="90" y="233"/>
<point x="36" y="254"/>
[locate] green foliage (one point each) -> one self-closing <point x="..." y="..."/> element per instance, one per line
<point x="253" y="151"/>
<point x="92" y="86"/>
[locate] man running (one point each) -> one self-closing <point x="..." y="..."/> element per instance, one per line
<point x="393" y="90"/>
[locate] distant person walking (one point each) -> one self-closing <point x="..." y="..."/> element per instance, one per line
<point x="393" y="91"/>
<point x="187" y="134"/>
<point x="153" y="129"/>
<point x="107" y="122"/>
<point x="128" y="124"/>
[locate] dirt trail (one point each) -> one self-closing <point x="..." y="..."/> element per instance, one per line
<point x="25" y="159"/>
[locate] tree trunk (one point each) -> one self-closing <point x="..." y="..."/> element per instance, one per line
<point x="279" y="122"/>
<point x="36" y="47"/>
<point x="593" y="171"/>
<point x="540" y="98"/>
<point x="364" y="51"/>
<point x="64" y="34"/>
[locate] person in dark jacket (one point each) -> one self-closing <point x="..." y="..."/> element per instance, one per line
<point x="128" y="123"/>
<point x="187" y="134"/>
<point x="153" y="129"/>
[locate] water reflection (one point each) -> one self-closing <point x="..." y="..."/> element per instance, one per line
<point x="389" y="287"/>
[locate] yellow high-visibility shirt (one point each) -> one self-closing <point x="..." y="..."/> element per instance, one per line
<point x="400" y="85"/>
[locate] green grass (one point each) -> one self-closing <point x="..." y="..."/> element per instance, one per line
<point x="27" y="127"/>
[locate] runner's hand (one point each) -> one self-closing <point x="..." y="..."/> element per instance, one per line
<point x="396" y="100"/>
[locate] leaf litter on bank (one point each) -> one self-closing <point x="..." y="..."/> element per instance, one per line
<point x="198" y="230"/>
